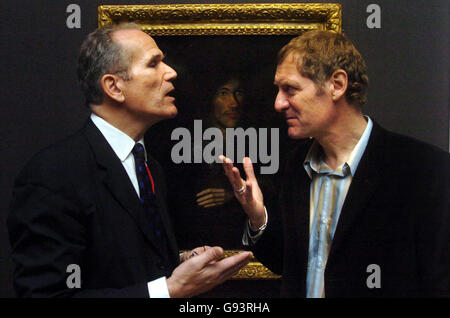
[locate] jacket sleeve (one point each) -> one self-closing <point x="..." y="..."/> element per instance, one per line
<point x="433" y="228"/>
<point x="47" y="233"/>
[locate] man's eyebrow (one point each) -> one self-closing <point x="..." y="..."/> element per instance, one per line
<point x="157" y="57"/>
<point x="285" y="82"/>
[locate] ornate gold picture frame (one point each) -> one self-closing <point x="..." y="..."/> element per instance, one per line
<point x="226" y="19"/>
<point x="271" y="19"/>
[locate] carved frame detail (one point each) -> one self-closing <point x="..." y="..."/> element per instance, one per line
<point x="226" y="19"/>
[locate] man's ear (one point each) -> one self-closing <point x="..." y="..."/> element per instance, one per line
<point x="112" y="87"/>
<point x="339" y="82"/>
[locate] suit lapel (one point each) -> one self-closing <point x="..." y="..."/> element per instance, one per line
<point x="303" y="220"/>
<point x="362" y="188"/>
<point x="117" y="181"/>
<point x="300" y="199"/>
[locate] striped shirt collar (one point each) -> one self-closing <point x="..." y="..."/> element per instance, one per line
<point x="313" y="160"/>
<point x="121" y="143"/>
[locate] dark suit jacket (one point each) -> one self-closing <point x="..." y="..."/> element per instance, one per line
<point x="74" y="204"/>
<point x="395" y="215"/>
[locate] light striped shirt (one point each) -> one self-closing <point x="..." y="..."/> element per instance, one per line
<point x="327" y="194"/>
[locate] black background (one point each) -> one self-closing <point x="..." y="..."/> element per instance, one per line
<point x="407" y="62"/>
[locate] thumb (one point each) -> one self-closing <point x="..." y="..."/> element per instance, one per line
<point x="211" y="254"/>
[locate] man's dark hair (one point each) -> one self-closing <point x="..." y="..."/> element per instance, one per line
<point x="100" y="55"/>
<point x="321" y="53"/>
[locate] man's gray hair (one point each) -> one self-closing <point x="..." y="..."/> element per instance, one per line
<point x="100" y="55"/>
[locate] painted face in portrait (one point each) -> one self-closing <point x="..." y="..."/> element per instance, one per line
<point x="227" y="104"/>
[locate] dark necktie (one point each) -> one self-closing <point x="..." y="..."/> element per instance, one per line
<point x="148" y="201"/>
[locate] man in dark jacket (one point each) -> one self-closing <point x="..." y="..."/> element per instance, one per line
<point x="361" y="212"/>
<point x="94" y="204"/>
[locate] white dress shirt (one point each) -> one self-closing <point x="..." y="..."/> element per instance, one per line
<point x="122" y="145"/>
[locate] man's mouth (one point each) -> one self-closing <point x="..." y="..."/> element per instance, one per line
<point x="232" y="114"/>
<point x="290" y="120"/>
<point x="170" y="94"/>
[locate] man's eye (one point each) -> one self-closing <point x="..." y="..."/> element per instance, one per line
<point x="222" y="93"/>
<point x="290" y="90"/>
<point x="152" y="64"/>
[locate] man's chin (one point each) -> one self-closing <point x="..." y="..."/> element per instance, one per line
<point x="172" y="111"/>
<point x="167" y="112"/>
<point x="231" y="124"/>
<point x="296" y="133"/>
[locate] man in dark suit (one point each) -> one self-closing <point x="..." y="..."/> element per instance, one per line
<point x="361" y="212"/>
<point x="94" y="204"/>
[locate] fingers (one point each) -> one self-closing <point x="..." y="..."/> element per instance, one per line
<point x="230" y="272"/>
<point x="231" y="265"/>
<point x="232" y="173"/>
<point x="196" y="251"/>
<point x="238" y="181"/>
<point x="212" y="205"/>
<point x="199" y="250"/>
<point x="206" y="201"/>
<point x="209" y="255"/>
<point x="211" y="197"/>
<point x="248" y="192"/>
<point x="204" y="271"/>
<point x="227" y="166"/>
<point x="210" y="191"/>
<point x="248" y="168"/>
<point x="210" y="201"/>
<point x="216" y="194"/>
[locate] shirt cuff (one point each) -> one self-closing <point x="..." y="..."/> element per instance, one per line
<point x="158" y="288"/>
<point x="250" y="237"/>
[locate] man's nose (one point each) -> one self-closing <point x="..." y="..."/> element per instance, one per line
<point x="170" y="73"/>
<point x="281" y="102"/>
<point x="233" y="101"/>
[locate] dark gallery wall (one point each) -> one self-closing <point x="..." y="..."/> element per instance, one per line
<point x="407" y="61"/>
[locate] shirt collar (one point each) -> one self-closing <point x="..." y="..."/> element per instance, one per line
<point x="121" y="143"/>
<point x="313" y="160"/>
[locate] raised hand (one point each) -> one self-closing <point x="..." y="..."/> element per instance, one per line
<point x="247" y="192"/>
